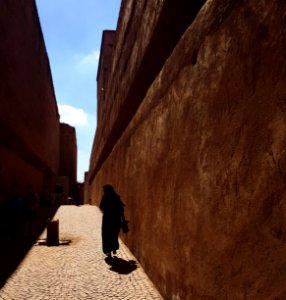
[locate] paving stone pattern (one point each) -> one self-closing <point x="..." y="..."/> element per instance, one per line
<point x="78" y="270"/>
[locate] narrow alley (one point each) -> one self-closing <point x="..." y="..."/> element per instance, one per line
<point x="77" y="268"/>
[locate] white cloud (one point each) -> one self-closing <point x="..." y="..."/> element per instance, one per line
<point x="72" y="115"/>
<point x="90" y="59"/>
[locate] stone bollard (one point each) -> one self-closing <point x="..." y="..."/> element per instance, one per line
<point x="53" y="233"/>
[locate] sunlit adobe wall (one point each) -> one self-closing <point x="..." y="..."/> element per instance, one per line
<point x="145" y="37"/>
<point x="29" y="120"/>
<point x="105" y="59"/>
<point x="201" y="166"/>
<point x="103" y="102"/>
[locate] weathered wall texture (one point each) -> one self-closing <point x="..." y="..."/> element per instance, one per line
<point x="145" y="37"/>
<point x="201" y="166"/>
<point x="68" y="156"/>
<point x="29" y="121"/>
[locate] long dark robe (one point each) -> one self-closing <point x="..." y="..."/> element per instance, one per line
<point x="112" y="209"/>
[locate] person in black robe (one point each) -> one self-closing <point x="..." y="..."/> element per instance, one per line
<point x="113" y="210"/>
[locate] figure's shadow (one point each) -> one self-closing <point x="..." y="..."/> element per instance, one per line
<point x="120" y="265"/>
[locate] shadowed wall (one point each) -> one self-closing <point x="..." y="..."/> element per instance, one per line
<point x="29" y="120"/>
<point x="201" y="165"/>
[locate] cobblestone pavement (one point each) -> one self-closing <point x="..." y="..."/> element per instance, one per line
<point x="78" y="270"/>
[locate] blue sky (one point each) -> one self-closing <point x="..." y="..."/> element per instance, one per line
<point x="72" y="31"/>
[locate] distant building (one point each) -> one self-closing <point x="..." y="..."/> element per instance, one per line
<point x="68" y="157"/>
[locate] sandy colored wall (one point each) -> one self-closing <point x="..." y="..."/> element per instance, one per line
<point x="106" y="50"/>
<point x="201" y="166"/>
<point x="145" y="37"/>
<point x="28" y="112"/>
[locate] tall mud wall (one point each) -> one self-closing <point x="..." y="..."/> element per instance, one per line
<point x="146" y="35"/>
<point x="103" y="71"/>
<point x="201" y="165"/>
<point x="29" y="120"/>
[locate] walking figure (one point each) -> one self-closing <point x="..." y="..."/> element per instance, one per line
<point x="113" y="212"/>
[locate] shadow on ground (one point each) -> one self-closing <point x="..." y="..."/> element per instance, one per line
<point x="13" y="249"/>
<point x="120" y="265"/>
<point x="43" y="242"/>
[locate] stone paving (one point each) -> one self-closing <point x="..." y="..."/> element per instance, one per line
<point x="78" y="270"/>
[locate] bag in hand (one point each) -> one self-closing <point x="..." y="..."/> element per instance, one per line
<point x="124" y="225"/>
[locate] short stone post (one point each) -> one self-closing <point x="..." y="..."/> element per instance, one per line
<point x="53" y="233"/>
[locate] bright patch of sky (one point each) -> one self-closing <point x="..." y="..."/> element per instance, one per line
<point x="73" y="116"/>
<point x="72" y="31"/>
